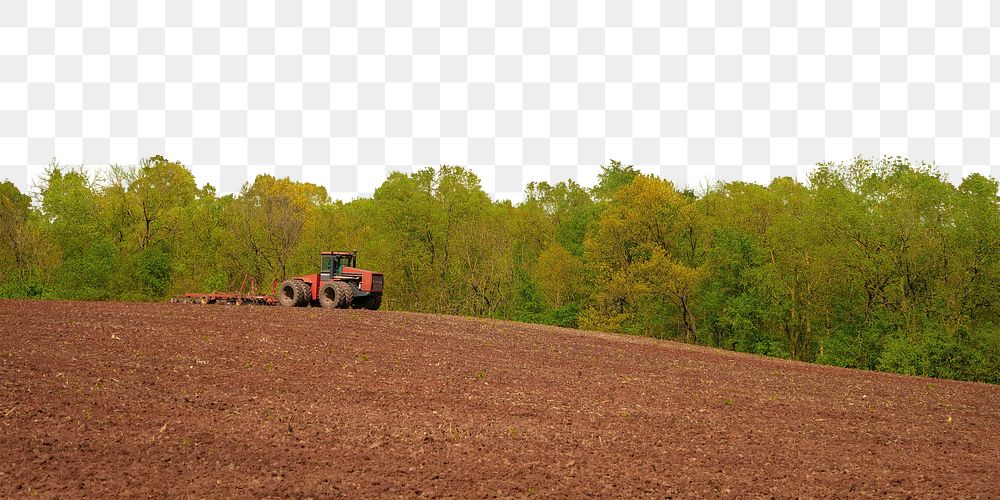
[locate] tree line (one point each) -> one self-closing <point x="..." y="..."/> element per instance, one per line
<point x="874" y="264"/>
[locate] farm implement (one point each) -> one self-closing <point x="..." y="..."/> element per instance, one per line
<point x="247" y="294"/>
<point x="337" y="285"/>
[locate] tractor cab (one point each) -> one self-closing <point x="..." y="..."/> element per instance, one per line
<point x="335" y="262"/>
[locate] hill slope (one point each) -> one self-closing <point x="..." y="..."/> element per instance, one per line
<point x="111" y="398"/>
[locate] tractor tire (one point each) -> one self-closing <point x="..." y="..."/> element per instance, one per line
<point x="345" y="294"/>
<point x="328" y="296"/>
<point x="374" y="301"/>
<point x="305" y="293"/>
<point x="290" y="293"/>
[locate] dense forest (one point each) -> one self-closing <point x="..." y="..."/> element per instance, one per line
<point x="874" y="264"/>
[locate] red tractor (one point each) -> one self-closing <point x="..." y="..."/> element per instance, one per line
<point x="337" y="285"/>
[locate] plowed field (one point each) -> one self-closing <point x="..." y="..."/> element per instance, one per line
<point x="107" y="399"/>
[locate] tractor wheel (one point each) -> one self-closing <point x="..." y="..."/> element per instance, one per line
<point x="305" y="293"/>
<point x="345" y="295"/>
<point x="328" y="296"/>
<point x="289" y="293"/>
<point x="374" y="301"/>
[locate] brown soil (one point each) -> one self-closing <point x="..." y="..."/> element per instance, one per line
<point x="100" y="399"/>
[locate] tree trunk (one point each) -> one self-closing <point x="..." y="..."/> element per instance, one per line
<point x="690" y="330"/>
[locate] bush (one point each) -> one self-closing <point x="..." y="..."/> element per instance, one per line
<point x="954" y="356"/>
<point x="566" y="316"/>
<point x="938" y="354"/>
<point x="901" y="355"/>
<point x="153" y="272"/>
<point x="855" y="347"/>
<point x="87" y="276"/>
<point x="215" y="283"/>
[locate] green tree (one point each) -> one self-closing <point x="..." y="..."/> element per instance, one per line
<point x="559" y="275"/>
<point x="161" y="190"/>
<point x="444" y="240"/>
<point x="636" y="237"/>
<point x="612" y="178"/>
<point x="22" y="246"/>
<point x="267" y="224"/>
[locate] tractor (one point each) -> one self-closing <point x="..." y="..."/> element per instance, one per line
<point x="337" y="285"/>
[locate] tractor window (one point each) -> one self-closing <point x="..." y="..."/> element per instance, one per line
<point x="340" y="262"/>
<point x="327" y="263"/>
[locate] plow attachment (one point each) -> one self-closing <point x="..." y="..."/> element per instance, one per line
<point x="247" y="294"/>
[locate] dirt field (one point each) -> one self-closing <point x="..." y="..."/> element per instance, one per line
<point x="103" y="399"/>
